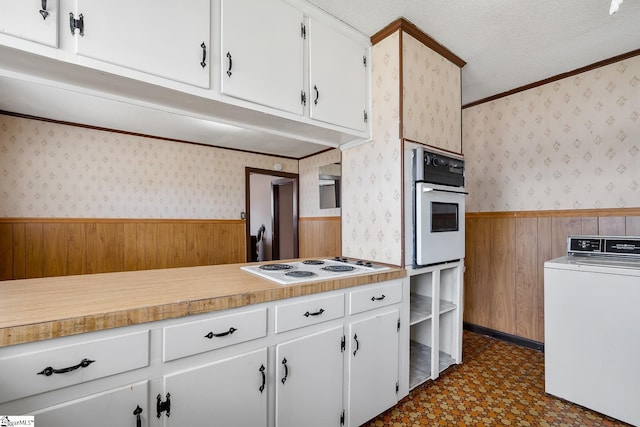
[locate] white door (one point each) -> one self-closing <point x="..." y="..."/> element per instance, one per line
<point x="373" y="366"/>
<point x="160" y="37"/>
<point x="309" y="375"/>
<point x="28" y="20"/>
<point x="114" y="408"/>
<point x="262" y="53"/>
<point x="337" y="77"/>
<point x="230" y="392"/>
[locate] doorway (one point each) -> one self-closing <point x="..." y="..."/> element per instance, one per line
<point x="271" y="214"/>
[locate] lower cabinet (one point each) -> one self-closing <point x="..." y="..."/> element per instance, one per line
<point x="230" y="392"/>
<point x="125" y="406"/>
<point x="329" y="359"/>
<point x="373" y="366"/>
<point x="309" y="380"/>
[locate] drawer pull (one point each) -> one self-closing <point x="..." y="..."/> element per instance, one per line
<point x="264" y="378"/>
<point x="137" y="413"/>
<point x="286" y="371"/>
<point x="211" y="335"/>
<point x="378" y="299"/>
<point x="48" y="371"/>
<point x="163" y="406"/>
<point x="317" y="313"/>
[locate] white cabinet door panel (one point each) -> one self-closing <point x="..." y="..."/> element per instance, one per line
<point x="262" y="53"/>
<point x="230" y="392"/>
<point x="114" y="408"/>
<point x="160" y="37"/>
<point x="373" y="364"/>
<point x="309" y="380"/>
<point x="28" y="20"/>
<point x="337" y="77"/>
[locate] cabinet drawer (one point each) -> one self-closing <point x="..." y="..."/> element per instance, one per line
<point x="309" y="312"/>
<point x="31" y="373"/>
<point x="375" y="296"/>
<point x="204" y="335"/>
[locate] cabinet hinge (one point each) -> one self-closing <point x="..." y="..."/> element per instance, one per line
<point x="397" y="386"/>
<point x="76" y="24"/>
<point x="365" y="116"/>
<point x="303" y="30"/>
<point x="364" y="60"/>
<point x="342" y="418"/>
<point x="303" y="98"/>
<point x="398" y="325"/>
<point x="343" y="344"/>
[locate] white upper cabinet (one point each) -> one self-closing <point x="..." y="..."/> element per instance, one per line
<point x="337" y="77"/>
<point x="33" y="20"/>
<point x="160" y="37"/>
<point x="262" y="53"/>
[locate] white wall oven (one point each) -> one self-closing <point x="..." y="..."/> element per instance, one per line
<point x="438" y="207"/>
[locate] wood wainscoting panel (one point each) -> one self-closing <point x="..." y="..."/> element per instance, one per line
<point x="506" y="252"/>
<point x="320" y="236"/>
<point x="46" y="247"/>
<point x="502" y="261"/>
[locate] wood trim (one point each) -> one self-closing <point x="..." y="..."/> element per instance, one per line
<point x="401" y="24"/>
<point x="320" y="218"/>
<point x="9" y="220"/>
<point x="557" y="213"/>
<point x="555" y="78"/>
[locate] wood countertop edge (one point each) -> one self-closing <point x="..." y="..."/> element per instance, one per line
<point x="75" y="325"/>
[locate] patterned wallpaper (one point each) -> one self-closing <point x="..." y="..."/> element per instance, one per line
<point x="309" y="190"/>
<point x="372" y="191"/>
<point x="431" y="97"/>
<point x="56" y="170"/>
<point x="569" y="144"/>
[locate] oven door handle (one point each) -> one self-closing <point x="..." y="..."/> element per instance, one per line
<point x="428" y="189"/>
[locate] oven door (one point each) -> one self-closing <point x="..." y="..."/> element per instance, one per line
<point x="439" y="224"/>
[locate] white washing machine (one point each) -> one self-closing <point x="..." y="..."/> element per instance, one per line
<point x="592" y="325"/>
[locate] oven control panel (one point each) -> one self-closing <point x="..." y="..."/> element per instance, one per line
<point x="437" y="168"/>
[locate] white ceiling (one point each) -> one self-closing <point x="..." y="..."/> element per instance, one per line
<point x="506" y="43"/>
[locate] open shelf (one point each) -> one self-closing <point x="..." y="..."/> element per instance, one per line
<point x="421" y="307"/>
<point x="420" y="363"/>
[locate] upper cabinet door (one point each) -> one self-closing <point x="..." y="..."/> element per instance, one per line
<point x="34" y="20"/>
<point x="337" y="77"/>
<point x="165" y="38"/>
<point x="262" y="53"/>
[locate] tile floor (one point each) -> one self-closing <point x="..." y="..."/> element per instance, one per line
<point x="498" y="384"/>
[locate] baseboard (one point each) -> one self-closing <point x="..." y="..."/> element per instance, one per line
<point x="503" y="336"/>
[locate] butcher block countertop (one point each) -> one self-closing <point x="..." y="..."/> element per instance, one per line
<point x="38" y="309"/>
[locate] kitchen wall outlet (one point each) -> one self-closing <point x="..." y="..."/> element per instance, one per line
<point x="243" y="215"/>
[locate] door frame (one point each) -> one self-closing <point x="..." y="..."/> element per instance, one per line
<point x="248" y="171"/>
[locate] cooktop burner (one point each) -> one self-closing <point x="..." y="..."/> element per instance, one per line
<point x="300" y="273"/>
<point x="339" y="268"/>
<point x="312" y="269"/>
<point x="275" y="267"/>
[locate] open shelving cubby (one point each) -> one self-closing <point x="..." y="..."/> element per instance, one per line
<point x="436" y="340"/>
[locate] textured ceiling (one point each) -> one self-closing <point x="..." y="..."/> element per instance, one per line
<point x="506" y="43"/>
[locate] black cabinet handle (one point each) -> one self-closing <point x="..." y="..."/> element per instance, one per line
<point x="286" y="371"/>
<point x="355" y="338"/>
<point x="48" y="371"/>
<point x="317" y="313"/>
<point x="378" y="299"/>
<point x="43" y="11"/>
<point x="264" y="378"/>
<point x="231" y="330"/>
<point x="230" y="64"/>
<point x="315" y="89"/>
<point x="204" y="55"/>
<point x="137" y="413"/>
<point x="163" y="406"/>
